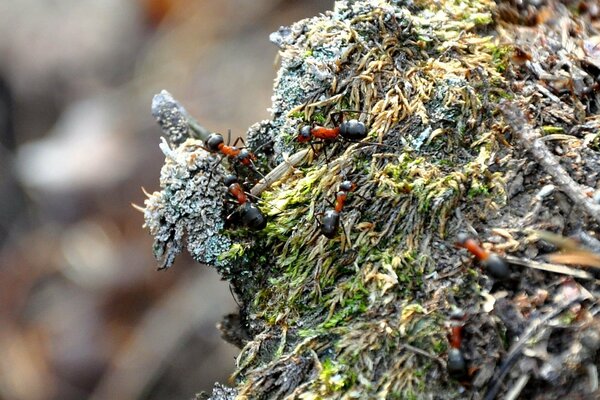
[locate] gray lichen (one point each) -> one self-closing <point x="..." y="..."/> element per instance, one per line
<point x="189" y="208"/>
<point x="171" y="117"/>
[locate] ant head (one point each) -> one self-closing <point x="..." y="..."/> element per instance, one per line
<point x="347" y="186"/>
<point x="457" y="314"/>
<point x="462" y="238"/>
<point x="244" y="154"/>
<point x="353" y="130"/>
<point x="304" y="134"/>
<point x="230" y="179"/>
<point x="214" y="141"/>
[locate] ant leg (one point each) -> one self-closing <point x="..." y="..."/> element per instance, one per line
<point x="263" y="145"/>
<point x="256" y="171"/>
<point x="239" y="139"/>
<point x="337" y="117"/>
<point x="325" y="152"/>
<point x="313" y="147"/>
<point x="234" y="296"/>
<point x="359" y="195"/>
<point x="213" y="169"/>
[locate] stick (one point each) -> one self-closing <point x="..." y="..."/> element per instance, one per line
<point x="530" y="139"/>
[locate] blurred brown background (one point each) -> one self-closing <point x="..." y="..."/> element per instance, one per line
<point x="83" y="312"/>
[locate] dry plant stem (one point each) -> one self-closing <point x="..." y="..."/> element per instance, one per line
<point x="530" y="139"/>
<point x="199" y="132"/>
<point x="424" y="353"/>
<point x="515" y="391"/>
<point x="557" y="269"/>
<point x="278" y="172"/>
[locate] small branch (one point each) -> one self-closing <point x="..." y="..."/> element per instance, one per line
<point x="174" y="120"/>
<point x="530" y="140"/>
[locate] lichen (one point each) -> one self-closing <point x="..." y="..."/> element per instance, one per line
<point x="189" y="208"/>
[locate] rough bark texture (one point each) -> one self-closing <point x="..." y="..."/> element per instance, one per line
<point x="368" y="313"/>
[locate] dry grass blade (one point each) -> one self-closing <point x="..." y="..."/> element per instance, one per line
<point x="558" y="269"/>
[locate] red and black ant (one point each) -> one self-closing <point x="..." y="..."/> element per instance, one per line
<point x="351" y="130"/>
<point x="331" y="219"/>
<point x="215" y="143"/>
<point x="492" y="262"/>
<point x="250" y="214"/>
<point x="457" y="366"/>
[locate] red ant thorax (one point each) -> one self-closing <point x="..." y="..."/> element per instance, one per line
<point x="250" y="214"/>
<point x="472" y="246"/>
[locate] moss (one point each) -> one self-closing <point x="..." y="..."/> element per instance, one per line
<point x="548" y="130"/>
<point x="501" y="56"/>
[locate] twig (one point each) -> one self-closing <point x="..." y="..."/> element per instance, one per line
<point x="424" y="353"/>
<point x="515" y="391"/>
<point x="174" y="120"/>
<point x="530" y="139"/>
<point x="278" y="172"/>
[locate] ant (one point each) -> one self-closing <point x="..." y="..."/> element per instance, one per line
<point x="457" y="366"/>
<point x="351" y="130"/>
<point x="250" y="214"/>
<point x="215" y="143"/>
<point x="492" y="262"/>
<point x="331" y="219"/>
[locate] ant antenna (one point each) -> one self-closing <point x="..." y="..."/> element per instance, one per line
<point x="234" y="296"/>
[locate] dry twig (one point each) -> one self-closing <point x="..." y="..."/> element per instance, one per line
<point x="530" y="140"/>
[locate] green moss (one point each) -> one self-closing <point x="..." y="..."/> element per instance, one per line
<point x="477" y="190"/>
<point x="501" y="57"/>
<point x="335" y="376"/>
<point x="547" y="129"/>
<point x="236" y="250"/>
<point x="297" y="115"/>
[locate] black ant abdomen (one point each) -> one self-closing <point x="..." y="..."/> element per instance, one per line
<point x="457" y="366"/>
<point x="496" y="266"/>
<point x="252" y="217"/>
<point x="330" y="223"/>
<point x="353" y="130"/>
<point x="230" y="179"/>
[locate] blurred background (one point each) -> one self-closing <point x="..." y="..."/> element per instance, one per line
<point x="83" y="313"/>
